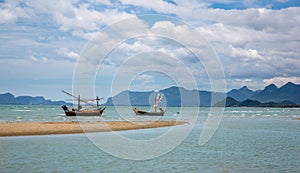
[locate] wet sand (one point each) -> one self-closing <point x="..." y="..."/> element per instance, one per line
<point x="47" y="128"/>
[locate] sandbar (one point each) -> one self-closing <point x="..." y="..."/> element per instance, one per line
<point x="49" y="128"/>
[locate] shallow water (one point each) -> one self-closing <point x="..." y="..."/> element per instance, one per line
<point x="247" y="140"/>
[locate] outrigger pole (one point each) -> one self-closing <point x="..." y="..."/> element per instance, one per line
<point x="78" y="98"/>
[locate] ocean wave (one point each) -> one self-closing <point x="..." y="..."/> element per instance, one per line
<point x="21" y="110"/>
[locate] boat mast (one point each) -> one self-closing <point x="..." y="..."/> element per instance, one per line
<point x="155" y="103"/>
<point x="78" y="107"/>
<point x="157" y="100"/>
<point x="97" y="99"/>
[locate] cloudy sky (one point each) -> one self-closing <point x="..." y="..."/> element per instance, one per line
<point x="41" y="42"/>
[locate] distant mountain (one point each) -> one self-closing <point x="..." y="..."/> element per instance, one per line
<point x="174" y="96"/>
<point x="230" y="102"/>
<point x="129" y="97"/>
<point x="179" y="96"/>
<point x="267" y="94"/>
<point x="241" y="94"/>
<point x="271" y="93"/>
<point x="8" y="98"/>
<point x="250" y="103"/>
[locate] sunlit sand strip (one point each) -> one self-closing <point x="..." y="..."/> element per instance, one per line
<point x="47" y="128"/>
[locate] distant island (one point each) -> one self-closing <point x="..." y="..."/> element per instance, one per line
<point x="10" y="99"/>
<point x="271" y="96"/>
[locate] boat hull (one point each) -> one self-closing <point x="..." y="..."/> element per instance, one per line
<point x="137" y="112"/>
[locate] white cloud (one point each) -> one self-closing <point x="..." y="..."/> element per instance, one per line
<point x="246" y="53"/>
<point x="42" y="60"/>
<point x="233" y="35"/>
<point x="255" y="43"/>
<point x="280" y="81"/>
<point x="7" y="16"/>
<point x="11" y="11"/>
<point x="252" y="43"/>
<point x="146" y="50"/>
<point x="65" y="52"/>
<point x="33" y="59"/>
<point x="146" y="69"/>
<point x="75" y="16"/>
<point x="145" y="78"/>
<point x="134" y="48"/>
<point x="84" y="18"/>
<point x="255" y="18"/>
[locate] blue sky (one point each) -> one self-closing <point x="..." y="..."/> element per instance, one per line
<point x="257" y="43"/>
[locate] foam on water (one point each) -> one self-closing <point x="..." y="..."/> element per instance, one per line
<point x="22" y="110"/>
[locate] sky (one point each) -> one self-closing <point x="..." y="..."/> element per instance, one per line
<point x="43" y="44"/>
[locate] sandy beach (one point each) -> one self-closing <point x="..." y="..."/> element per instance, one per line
<point x="47" y="128"/>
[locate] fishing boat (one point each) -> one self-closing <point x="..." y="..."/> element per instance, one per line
<point x="138" y="112"/>
<point x="158" y="99"/>
<point x="79" y="111"/>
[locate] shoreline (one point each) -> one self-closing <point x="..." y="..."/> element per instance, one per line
<point x="52" y="128"/>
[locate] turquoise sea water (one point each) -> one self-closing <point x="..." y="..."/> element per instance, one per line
<point x="247" y="140"/>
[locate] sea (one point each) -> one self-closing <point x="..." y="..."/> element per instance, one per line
<point x="245" y="140"/>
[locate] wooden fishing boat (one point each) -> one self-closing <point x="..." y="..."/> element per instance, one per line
<point x="160" y="113"/>
<point x="158" y="99"/>
<point x="83" y="112"/>
<point x="79" y="111"/>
